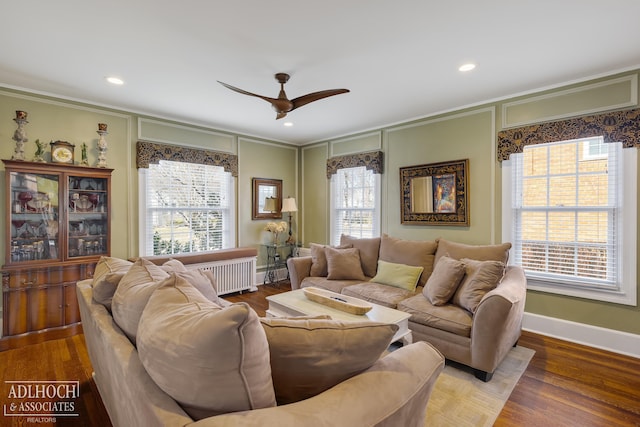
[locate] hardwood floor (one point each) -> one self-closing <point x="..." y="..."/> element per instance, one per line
<point x="565" y="384"/>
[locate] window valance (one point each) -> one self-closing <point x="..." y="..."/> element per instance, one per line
<point x="616" y="126"/>
<point x="371" y="160"/>
<point x="150" y="153"/>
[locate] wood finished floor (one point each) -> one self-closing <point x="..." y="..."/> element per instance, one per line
<point x="564" y="385"/>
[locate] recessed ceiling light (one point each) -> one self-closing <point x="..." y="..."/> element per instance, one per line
<point x="288" y="124"/>
<point x="467" y="67"/>
<point x="115" y="80"/>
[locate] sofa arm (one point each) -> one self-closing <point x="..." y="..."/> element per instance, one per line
<point x="497" y="322"/>
<point x="299" y="268"/>
<point x="393" y="392"/>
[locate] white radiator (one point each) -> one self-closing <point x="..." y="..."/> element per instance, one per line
<point x="232" y="275"/>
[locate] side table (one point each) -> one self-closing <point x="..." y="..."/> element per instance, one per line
<point x="277" y="255"/>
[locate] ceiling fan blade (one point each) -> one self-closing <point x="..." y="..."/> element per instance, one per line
<point x="315" y="96"/>
<point x="244" y="92"/>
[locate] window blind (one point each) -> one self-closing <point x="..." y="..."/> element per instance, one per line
<point x="567" y="203"/>
<point x="188" y="208"/>
<point x="355" y="203"/>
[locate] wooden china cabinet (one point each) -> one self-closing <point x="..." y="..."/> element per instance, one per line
<point x="57" y="227"/>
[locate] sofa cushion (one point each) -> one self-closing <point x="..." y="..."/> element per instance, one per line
<point x="173" y="265"/>
<point x="398" y="275"/>
<point x="449" y="318"/>
<point x="309" y="356"/>
<point x="319" y="259"/>
<point x="410" y="252"/>
<point x="478" y="252"/>
<point x="481" y="277"/>
<point x="388" y="296"/>
<point x="331" y="285"/>
<point x="344" y="264"/>
<point x="444" y="281"/>
<point x="369" y="250"/>
<point x="202" y="280"/>
<point x="211" y="360"/>
<point x="103" y="286"/>
<point x="132" y="295"/>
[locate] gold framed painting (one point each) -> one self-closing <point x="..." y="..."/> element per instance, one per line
<point x="435" y="194"/>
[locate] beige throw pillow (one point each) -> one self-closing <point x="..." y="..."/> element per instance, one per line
<point x="419" y="253"/>
<point x="481" y="277"/>
<point x="173" y="265"/>
<point x="132" y="295"/>
<point x="344" y="264"/>
<point x="444" y="281"/>
<point x="202" y="280"/>
<point x="319" y="259"/>
<point x="309" y="356"/>
<point x="103" y="289"/>
<point x="369" y="250"/>
<point x="211" y="360"/>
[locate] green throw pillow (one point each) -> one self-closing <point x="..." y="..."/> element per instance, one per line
<point x="398" y="275"/>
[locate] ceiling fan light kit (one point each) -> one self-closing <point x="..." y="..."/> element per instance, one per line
<point x="282" y="105"/>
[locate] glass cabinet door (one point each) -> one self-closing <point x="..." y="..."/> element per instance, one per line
<point x="34" y="214"/>
<point x="87" y="220"/>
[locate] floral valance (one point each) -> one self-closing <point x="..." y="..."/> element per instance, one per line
<point x="616" y="126"/>
<point x="150" y="153"/>
<point x="372" y="161"/>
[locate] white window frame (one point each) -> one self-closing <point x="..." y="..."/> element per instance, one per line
<point x="627" y="271"/>
<point x="146" y="242"/>
<point x="334" y="229"/>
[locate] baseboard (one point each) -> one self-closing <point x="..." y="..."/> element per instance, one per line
<point x="580" y="333"/>
<point x="280" y="273"/>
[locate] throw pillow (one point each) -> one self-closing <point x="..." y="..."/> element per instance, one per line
<point x="202" y="280"/>
<point x="173" y="265"/>
<point x="444" y="281"/>
<point x="482" y="276"/>
<point x="344" y="264"/>
<point x="398" y="275"/>
<point x="132" y="295"/>
<point x="369" y="250"/>
<point x="309" y="356"/>
<point x="319" y="259"/>
<point x="411" y="252"/>
<point x="104" y="289"/>
<point x="211" y="360"/>
<point x="478" y="252"/>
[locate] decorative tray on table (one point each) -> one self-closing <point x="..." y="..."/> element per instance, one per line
<point x="337" y="301"/>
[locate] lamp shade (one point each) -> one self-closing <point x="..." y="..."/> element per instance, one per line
<point x="289" y="205"/>
<point x="270" y="204"/>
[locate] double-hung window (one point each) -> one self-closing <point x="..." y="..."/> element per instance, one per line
<point x="355" y="203"/>
<point x="572" y="218"/>
<point x="186" y="207"/>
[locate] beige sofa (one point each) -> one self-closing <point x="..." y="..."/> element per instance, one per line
<point x="477" y="334"/>
<point x="133" y="397"/>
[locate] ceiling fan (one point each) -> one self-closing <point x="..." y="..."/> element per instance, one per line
<point x="282" y="104"/>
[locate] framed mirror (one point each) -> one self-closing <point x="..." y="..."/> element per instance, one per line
<point x="267" y="198"/>
<point x="435" y="194"/>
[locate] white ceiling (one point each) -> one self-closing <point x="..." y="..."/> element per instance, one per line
<point x="398" y="58"/>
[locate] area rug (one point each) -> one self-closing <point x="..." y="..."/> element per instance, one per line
<point x="460" y="399"/>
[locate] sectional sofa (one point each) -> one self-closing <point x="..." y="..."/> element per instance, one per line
<point x="465" y="300"/>
<point x="167" y="351"/>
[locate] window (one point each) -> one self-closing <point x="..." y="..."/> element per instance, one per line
<point x="572" y="222"/>
<point x="186" y="207"/>
<point x="355" y="203"/>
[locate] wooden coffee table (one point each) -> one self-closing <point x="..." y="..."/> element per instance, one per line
<point x="295" y="303"/>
